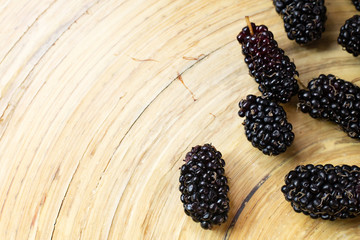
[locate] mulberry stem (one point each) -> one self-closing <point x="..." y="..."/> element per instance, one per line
<point x="249" y="25"/>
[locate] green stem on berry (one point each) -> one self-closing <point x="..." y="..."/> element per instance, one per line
<point x="247" y="19"/>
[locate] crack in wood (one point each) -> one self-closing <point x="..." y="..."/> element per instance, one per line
<point x="187" y="88"/>
<point x="77" y="167"/>
<point x="27" y="30"/>
<point x="243" y="205"/>
<point x="144" y="60"/>
<point x="42" y="56"/>
<point x="194" y="58"/>
<point x="67" y="189"/>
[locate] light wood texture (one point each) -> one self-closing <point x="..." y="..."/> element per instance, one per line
<point x="95" y="121"/>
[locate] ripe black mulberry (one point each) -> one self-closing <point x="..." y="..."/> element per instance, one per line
<point x="268" y="64"/>
<point x="203" y="186"/>
<point x="333" y="99"/>
<point x="324" y="191"/>
<point x="266" y="126"/>
<point x="349" y="37"/>
<point x="304" y="20"/>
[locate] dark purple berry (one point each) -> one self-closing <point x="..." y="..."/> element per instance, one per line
<point x="266" y="126"/>
<point x="349" y="37"/>
<point x="203" y="186"/>
<point x="304" y="20"/>
<point x="268" y="64"/>
<point x="338" y="195"/>
<point x="340" y="102"/>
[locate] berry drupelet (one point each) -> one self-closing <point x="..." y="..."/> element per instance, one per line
<point x="281" y="4"/>
<point x="268" y="64"/>
<point x="333" y="99"/>
<point x="203" y="186"/>
<point x="304" y="20"/>
<point x="349" y="37"/>
<point x="324" y="191"/>
<point x="266" y="126"/>
<point x="357" y="4"/>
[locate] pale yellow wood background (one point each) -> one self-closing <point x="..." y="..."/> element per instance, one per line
<point x="92" y="138"/>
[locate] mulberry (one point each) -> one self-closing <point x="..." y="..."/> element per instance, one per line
<point x="266" y="126"/>
<point x="324" y="191"/>
<point x="304" y="20"/>
<point x="349" y="37"/>
<point x="333" y="99"/>
<point x="203" y="186"/>
<point x="268" y="64"/>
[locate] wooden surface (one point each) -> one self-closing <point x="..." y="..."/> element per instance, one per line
<point x="95" y="121"/>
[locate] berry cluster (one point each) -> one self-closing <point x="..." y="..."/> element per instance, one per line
<point x="324" y="191"/>
<point x="304" y="20"/>
<point x="203" y="186"/>
<point x="266" y="126"/>
<point x="349" y="37"/>
<point x="333" y="99"/>
<point x="268" y="64"/>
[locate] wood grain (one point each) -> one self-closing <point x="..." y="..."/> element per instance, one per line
<point x="95" y="121"/>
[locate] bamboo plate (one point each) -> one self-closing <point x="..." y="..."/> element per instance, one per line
<point x="101" y="100"/>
